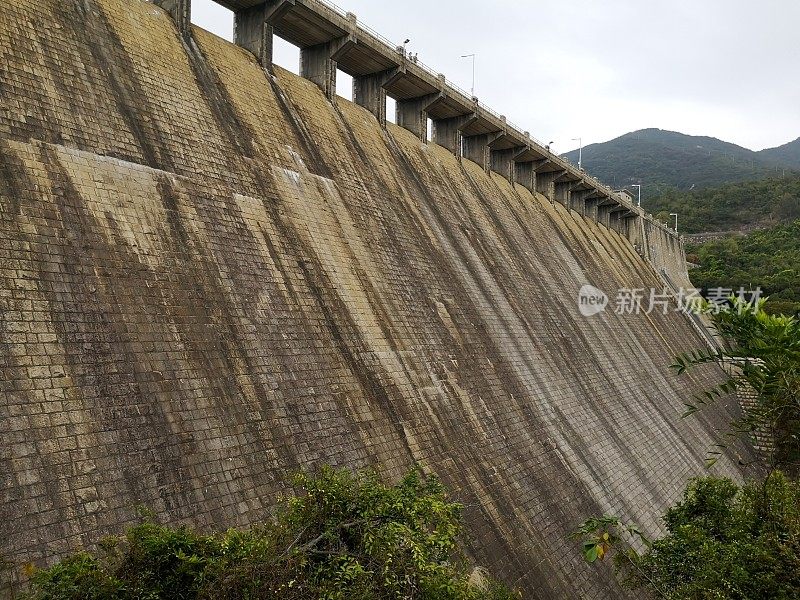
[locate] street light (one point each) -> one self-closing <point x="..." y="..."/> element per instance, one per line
<point x="404" y="46"/>
<point x="676" y="220"/>
<point x="580" y="152"/>
<point x="638" y="185"/>
<point x="472" y="56"/>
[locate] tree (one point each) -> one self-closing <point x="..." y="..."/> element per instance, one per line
<point x="726" y="542"/>
<point x="762" y="354"/>
<point x="723" y="543"/>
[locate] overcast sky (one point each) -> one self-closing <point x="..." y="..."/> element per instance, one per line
<point x="597" y="69"/>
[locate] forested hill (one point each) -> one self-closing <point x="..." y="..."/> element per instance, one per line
<point x="666" y="159"/>
<point x="788" y="154"/>
<point x="732" y="207"/>
<point x="769" y="259"/>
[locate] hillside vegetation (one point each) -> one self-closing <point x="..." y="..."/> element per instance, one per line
<point x="666" y="159"/>
<point x="739" y="206"/>
<point x="769" y="258"/>
<point x="788" y="154"/>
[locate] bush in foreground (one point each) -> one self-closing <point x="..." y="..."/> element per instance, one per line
<point x="723" y="543"/>
<point x="344" y="537"/>
<point x="764" y="351"/>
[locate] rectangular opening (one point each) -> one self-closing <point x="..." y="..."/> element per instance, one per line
<point x="286" y="55"/>
<point x="213" y="17"/>
<point x="344" y="85"/>
<point x="391" y="110"/>
<point x="430" y="129"/>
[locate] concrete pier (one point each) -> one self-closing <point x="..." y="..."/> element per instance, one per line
<point x="180" y="11"/>
<point x="527" y="160"/>
<point x="525" y="175"/>
<point x="447" y="132"/>
<point x="369" y="92"/>
<point x="621" y="217"/>
<point x="546" y="182"/>
<point x="591" y="207"/>
<point x="316" y="65"/>
<point x="252" y="32"/>
<point x="477" y="148"/>
<point x="616" y="221"/>
<point x="413" y="114"/>
<point x="562" y="191"/>
<point x="579" y="199"/>
<point x="502" y="161"/>
<point x="604" y="207"/>
<point x="502" y="151"/>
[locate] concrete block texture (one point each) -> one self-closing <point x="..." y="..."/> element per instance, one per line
<point x="211" y="275"/>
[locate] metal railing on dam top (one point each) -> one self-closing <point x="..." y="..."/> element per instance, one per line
<point x="430" y="70"/>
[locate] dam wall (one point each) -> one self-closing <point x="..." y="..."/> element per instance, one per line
<point x="665" y="251"/>
<point x="212" y="275"/>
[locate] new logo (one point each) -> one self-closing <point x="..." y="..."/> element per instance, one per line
<point x="591" y="301"/>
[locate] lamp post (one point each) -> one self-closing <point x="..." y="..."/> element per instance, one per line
<point x="472" y="56"/>
<point x="404" y="46"/>
<point x="638" y="185"/>
<point x="676" y="220"/>
<point x="580" y="152"/>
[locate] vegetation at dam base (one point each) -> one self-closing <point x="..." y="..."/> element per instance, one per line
<point x="761" y="355"/>
<point x="342" y="537"/>
<point x="724" y="541"/>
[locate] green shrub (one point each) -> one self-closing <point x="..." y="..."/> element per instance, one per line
<point x="345" y="536"/>
<point x="79" y="577"/>
<point x="723" y="543"/>
<point x="728" y="543"/>
<point x="765" y="349"/>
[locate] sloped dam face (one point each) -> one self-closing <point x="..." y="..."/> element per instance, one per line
<point x="211" y="276"/>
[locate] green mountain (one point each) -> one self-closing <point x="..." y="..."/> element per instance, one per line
<point x="788" y="154"/>
<point x="715" y="186"/>
<point x="738" y="206"/>
<point x="666" y="159"/>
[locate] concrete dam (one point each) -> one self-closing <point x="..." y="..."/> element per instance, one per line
<point x="214" y="272"/>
